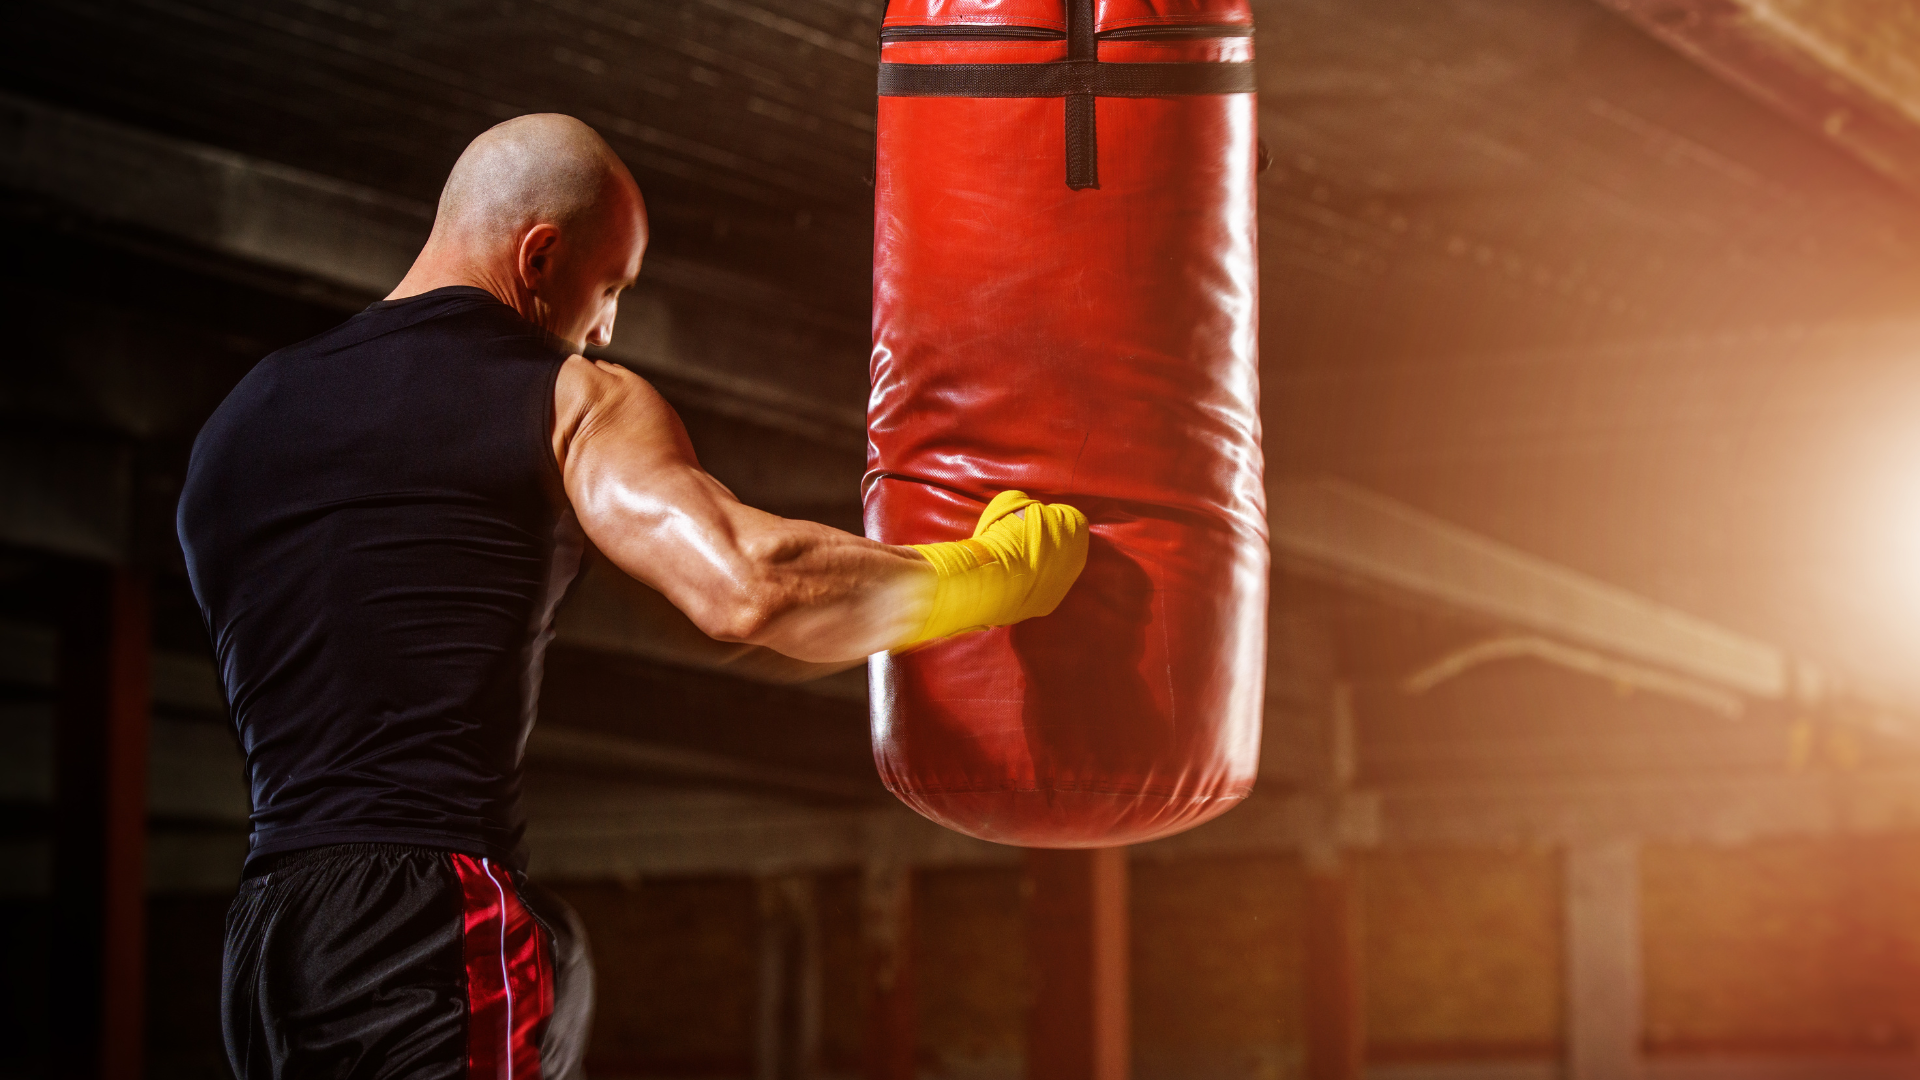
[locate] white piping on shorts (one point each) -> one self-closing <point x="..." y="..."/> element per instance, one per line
<point x="506" y="980"/>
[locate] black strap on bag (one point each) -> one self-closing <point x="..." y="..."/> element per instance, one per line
<point x="1083" y="149"/>
<point x="1080" y="78"/>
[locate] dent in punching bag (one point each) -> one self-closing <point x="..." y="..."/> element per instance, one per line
<point x="1064" y="303"/>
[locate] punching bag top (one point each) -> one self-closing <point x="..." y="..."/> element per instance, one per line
<point x="1106" y="14"/>
<point x="1073" y="49"/>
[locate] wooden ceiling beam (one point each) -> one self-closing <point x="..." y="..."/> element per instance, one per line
<point x="1327" y="527"/>
<point x="1841" y="68"/>
<point x="356" y="242"/>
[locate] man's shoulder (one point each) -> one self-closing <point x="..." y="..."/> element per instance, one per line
<point x="596" y="399"/>
<point x="601" y="387"/>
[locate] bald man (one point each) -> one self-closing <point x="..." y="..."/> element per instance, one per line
<point x="379" y="524"/>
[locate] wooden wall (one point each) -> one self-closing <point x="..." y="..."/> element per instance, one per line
<point x="1805" y="949"/>
<point x="1786" y="947"/>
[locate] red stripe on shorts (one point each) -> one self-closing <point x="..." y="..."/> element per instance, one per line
<point x="509" y="975"/>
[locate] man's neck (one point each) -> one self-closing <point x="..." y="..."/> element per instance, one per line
<point x="437" y="269"/>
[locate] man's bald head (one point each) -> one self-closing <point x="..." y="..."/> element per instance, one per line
<point x="534" y="169"/>
<point x="540" y="212"/>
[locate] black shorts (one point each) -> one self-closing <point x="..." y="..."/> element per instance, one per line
<point x="377" y="960"/>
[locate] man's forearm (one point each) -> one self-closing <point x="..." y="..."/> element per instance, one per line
<point x="826" y="596"/>
<point x="1019" y="563"/>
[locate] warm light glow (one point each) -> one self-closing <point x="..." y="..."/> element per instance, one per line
<point x="1870" y="554"/>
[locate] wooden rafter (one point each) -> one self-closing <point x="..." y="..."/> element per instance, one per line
<point x="1841" y="68"/>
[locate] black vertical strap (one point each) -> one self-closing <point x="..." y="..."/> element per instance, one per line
<point x="1083" y="150"/>
<point x="1083" y="153"/>
<point x="1080" y="40"/>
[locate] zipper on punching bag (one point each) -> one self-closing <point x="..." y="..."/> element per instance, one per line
<point x="891" y="34"/>
<point x="1197" y="32"/>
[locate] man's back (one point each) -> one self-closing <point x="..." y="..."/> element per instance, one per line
<point x="375" y="526"/>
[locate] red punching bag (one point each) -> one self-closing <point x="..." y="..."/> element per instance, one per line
<point x="1064" y="303"/>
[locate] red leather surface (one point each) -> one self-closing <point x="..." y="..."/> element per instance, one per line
<point x="1210" y="50"/>
<point x="1113" y="14"/>
<point x="1047" y="13"/>
<point x="973" y="52"/>
<point x="1094" y="347"/>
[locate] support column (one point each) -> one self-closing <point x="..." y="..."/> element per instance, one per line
<point x="101" y="721"/>
<point x="1315" y="739"/>
<point x="1335" y="1004"/>
<point x="1078" y="1023"/>
<point x="1603" y="961"/>
<point x="886" y="911"/>
<point x="787" y="1027"/>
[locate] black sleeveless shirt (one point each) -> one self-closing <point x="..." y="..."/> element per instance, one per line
<point x="376" y="532"/>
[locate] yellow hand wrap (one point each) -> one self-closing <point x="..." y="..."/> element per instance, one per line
<point x="1013" y="568"/>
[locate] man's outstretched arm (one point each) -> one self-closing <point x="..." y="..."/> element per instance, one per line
<point x="809" y="591"/>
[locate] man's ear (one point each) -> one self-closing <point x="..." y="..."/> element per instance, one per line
<point x="536" y="255"/>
